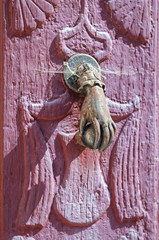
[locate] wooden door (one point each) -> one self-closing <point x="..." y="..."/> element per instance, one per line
<point x="51" y="187"/>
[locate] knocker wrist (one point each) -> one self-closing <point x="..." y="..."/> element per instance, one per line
<point x="88" y="85"/>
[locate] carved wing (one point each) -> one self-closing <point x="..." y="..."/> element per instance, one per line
<point x="125" y="182"/>
<point x="131" y="16"/>
<point x="27" y="15"/>
<point x="38" y="188"/>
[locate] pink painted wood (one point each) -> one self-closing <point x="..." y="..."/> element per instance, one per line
<point x="50" y="187"/>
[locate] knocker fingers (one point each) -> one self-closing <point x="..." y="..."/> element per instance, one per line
<point x="90" y="133"/>
<point x="97" y="133"/>
<point x="108" y="132"/>
<point x="105" y="137"/>
<point x="111" y="133"/>
<point x="83" y="122"/>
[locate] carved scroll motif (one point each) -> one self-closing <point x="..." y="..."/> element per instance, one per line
<point x="84" y="22"/>
<point x="125" y="173"/>
<point x="131" y="17"/>
<point x="27" y="15"/>
<point x="83" y="196"/>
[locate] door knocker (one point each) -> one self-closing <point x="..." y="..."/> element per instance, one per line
<point x="82" y="74"/>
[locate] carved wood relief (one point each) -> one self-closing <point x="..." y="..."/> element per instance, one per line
<point x="82" y="167"/>
<point x="131" y="17"/>
<point x="27" y="15"/>
<point x="39" y="183"/>
<point x="83" y="22"/>
<point x="38" y="189"/>
<point x="125" y="176"/>
<point x="66" y="191"/>
<point x="86" y="201"/>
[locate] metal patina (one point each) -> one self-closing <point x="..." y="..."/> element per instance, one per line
<point x="82" y="74"/>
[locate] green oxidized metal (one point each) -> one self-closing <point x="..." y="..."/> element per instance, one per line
<point x="81" y="70"/>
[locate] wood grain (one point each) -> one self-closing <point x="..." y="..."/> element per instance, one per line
<point x="30" y="69"/>
<point x="84" y="202"/>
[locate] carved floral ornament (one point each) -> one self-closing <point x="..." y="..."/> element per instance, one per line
<point x="27" y="15"/>
<point x="131" y="17"/>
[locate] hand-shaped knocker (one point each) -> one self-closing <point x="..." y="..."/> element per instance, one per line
<point x="82" y="74"/>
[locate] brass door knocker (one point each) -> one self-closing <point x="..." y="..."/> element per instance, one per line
<point x="82" y="74"/>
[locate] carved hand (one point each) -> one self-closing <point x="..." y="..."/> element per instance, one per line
<point x="97" y="128"/>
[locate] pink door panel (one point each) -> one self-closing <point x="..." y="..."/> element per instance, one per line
<point x="51" y="187"/>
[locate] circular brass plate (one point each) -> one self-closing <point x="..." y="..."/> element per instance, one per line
<point x="71" y="66"/>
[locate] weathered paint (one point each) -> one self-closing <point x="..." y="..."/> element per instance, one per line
<point x="31" y="61"/>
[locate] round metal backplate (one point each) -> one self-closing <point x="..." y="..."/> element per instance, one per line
<point x="70" y="68"/>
